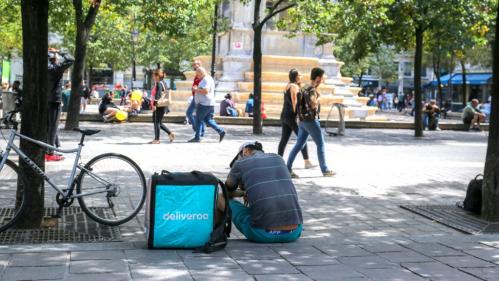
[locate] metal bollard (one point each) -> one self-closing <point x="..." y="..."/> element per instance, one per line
<point x="8" y="101"/>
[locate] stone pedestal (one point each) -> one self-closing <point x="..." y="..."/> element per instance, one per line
<point x="234" y="68"/>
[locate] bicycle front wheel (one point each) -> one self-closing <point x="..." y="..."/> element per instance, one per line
<point x="111" y="189"/>
<point x="12" y="195"/>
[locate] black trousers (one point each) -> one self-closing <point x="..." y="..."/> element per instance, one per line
<point x="157" y="119"/>
<point x="287" y="129"/>
<point x="54" y="116"/>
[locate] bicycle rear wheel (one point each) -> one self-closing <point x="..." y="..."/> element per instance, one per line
<point x="112" y="189"/>
<point x="13" y="198"/>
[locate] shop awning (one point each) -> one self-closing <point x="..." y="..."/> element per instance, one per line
<point x="471" y="79"/>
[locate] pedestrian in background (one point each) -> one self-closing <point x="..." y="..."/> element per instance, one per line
<point x="205" y="105"/>
<point x="288" y="115"/>
<point x="159" y="111"/>
<point x="308" y="113"/>
<point x="192" y="106"/>
<point x="59" y="62"/>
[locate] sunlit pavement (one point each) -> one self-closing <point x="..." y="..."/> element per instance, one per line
<point x="354" y="228"/>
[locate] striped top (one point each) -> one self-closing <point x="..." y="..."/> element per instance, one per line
<point x="271" y="193"/>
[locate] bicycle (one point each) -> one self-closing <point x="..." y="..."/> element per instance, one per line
<point x="108" y="181"/>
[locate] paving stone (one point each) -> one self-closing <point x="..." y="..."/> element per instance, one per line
<point x="221" y="275"/>
<point x="366" y="262"/>
<point x="200" y="263"/>
<point x="438" y="271"/>
<point x="383" y="248"/>
<point x="343" y="250"/>
<point x="97" y="255"/>
<point x="305" y="256"/>
<point x="97" y="266"/>
<point x="280" y="277"/>
<point x="135" y="256"/>
<point x="104" y="276"/>
<point x="276" y="266"/>
<point x="406" y="256"/>
<point x="254" y="253"/>
<point x="485" y="254"/>
<point x="391" y="274"/>
<point x="33" y="273"/>
<point x="464" y="261"/>
<point x="489" y="273"/>
<point x="159" y="273"/>
<point x="433" y="249"/>
<point x="336" y="272"/>
<point x="39" y="259"/>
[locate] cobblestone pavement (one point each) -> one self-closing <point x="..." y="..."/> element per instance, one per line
<point x="354" y="228"/>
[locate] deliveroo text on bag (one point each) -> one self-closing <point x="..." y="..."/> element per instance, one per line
<point x="184" y="215"/>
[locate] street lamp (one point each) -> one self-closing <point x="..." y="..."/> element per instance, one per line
<point x="134" y="34"/>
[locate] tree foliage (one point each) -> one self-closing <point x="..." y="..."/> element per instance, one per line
<point x="10" y="28"/>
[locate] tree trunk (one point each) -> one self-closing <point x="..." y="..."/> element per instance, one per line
<point x="465" y="86"/>
<point x="73" y="118"/>
<point x="34" y="110"/>
<point x="418" y="64"/>
<point x="361" y="76"/>
<point x="437" y="68"/>
<point x="490" y="194"/>
<point x="83" y="27"/>
<point x="214" y="41"/>
<point x="90" y="82"/>
<point x="451" y="74"/>
<point x="257" y="70"/>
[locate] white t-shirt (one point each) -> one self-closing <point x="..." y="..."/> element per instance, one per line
<point x="208" y="99"/>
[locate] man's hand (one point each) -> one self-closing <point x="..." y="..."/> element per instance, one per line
<point x="53" y="50"/>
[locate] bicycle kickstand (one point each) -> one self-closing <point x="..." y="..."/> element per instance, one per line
<point x="58" y="214"/>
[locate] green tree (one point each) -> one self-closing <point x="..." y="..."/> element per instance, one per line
<point x="10" y="28"/>
<point x="490" y="194"/>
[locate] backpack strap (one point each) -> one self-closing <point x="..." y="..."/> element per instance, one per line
<point x="218" y="238"/>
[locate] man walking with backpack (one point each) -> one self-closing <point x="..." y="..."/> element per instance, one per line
<point x="308" y="113"/>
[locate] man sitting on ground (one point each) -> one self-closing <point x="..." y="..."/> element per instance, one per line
<point x="271" y="213"/>
<point x="472" y="116"/>
<point x="431" y="116"/>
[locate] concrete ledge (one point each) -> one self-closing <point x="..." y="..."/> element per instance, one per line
<point x="246" y="121"/>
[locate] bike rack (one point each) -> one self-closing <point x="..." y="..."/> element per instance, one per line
<point x="341" y="123"/>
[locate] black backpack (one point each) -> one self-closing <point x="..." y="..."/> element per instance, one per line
<point x="304" y="108"/>
<point x="473" y="201"/>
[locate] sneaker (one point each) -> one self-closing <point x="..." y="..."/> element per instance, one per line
<point x="476" y="129"/>
<point x="53" y="157"/>
<point x="293" y="175"/>
<point x="154" y="142"/>
<point x="328" y="173"/>
<point x="309" y="165"/>
<point x="222" y="135"/>
<point x="194" y="140"/>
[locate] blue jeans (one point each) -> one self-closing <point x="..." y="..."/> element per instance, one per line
<point x="241" y="218"/>
<point x="190" y="116"/>
<point x="205" y="114"/>
<point x="313" y="129"/>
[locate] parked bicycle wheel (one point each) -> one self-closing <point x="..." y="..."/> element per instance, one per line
<point x="112" y="189"/>
<point x="12" y="195"/>
<point x="335" y="122"/>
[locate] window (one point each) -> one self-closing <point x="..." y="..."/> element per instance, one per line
<point x="407" y="69"/>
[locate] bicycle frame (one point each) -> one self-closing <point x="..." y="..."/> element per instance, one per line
<point x="67" y="194"/>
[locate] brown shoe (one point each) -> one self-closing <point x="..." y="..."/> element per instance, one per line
<point x="154" y="142"/>
<point x="328" y="173"/>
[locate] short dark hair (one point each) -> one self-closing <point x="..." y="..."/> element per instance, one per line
<point x="251" y="96"/>
<point x="293" y="75"/>
<point x="228" y="96"/>
<point x="316" y="72"/>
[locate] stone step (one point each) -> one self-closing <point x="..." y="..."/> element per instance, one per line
<point x="279" y="87"/>
<point x="285" y="63"/>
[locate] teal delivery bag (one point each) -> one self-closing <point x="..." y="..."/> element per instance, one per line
<point x="180" y="212"/>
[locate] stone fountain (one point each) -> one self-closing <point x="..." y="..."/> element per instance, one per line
<point x="281" y="53"/>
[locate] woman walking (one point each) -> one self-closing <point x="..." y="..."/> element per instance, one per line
<point x="288" y="115"/>
<point x="159" y="111"/>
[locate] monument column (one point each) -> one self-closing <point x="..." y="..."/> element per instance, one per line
<point x="329" y="63"/>
<point x="237" y="47"/>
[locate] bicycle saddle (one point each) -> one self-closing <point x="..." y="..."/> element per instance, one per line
<point x="86" y="132"/>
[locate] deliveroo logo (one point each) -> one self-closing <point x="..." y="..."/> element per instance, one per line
<point x="178" y="216"/>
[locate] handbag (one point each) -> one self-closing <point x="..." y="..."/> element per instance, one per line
<point x="165" y="99"/>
